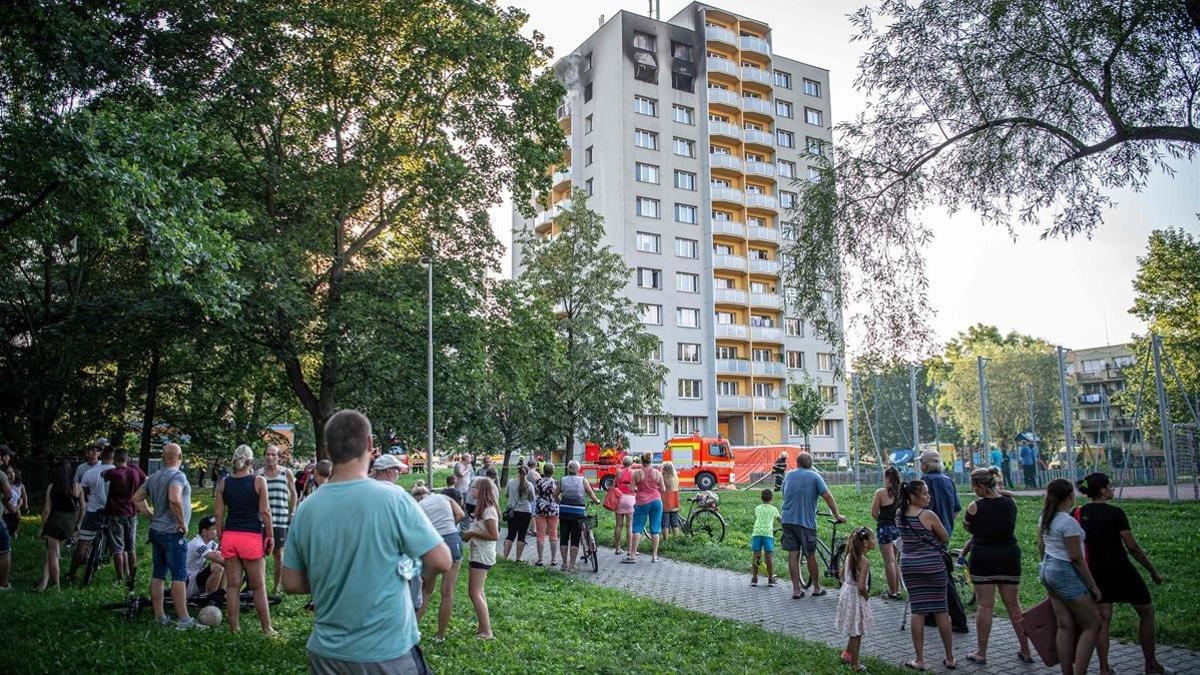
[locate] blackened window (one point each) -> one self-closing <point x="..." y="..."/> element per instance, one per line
<point x="681" y="50"/>
<point x="643" y="41"/>
<point x="683" y="82"/>
<point x="587" y="92"/>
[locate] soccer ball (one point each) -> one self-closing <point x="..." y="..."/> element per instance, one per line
<point x="210" y="616"/>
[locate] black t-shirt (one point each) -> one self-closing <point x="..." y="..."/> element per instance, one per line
<point x="1103" y="524"/>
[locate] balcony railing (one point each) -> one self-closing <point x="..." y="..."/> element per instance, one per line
<point x="754" y="44"/>
<point x="759" y="137"/>
<point x="770" y="403"/>
<point x="546" y="216"/>
<point x="735" y="331"/>
<point x="756" y="75"/>
<point x="729" y="262"/>
<point x="760" y="168"/>
<point x="733" y="367"/>
<point x="725" y="194"/>
<point x="733" y="402"/>
<point x="731" y="295"/>
<point x="766" y="333"/>
<point x="723" y="129"/>
<point x="562" y="176"/>
<point x="725" y="96"/>
<point x="720" y="35"/>
<point x="764" y="266"/>
<point x="720" y="160"/>
<point x="761" y="201"/>
<point x="564" y="110"/>
<point x="730" y="227"/>
<point x="756" y="105"/>
<point x="716" y="65"/>
<point x="763" y="233"/>
<point x="772" y="300"/>
<point x="770" y="368"/>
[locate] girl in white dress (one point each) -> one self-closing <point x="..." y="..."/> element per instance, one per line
<point x="854" y="614"/>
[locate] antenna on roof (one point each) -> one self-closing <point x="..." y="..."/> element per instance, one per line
<point x="601" y="20"/>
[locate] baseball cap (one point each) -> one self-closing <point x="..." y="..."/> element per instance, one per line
<point x="385" y="462"/>
<point x="931" y="456"/>
<point x="207" y="522"/>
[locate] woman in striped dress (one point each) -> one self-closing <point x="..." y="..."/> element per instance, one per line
<point x="924" y="569"/>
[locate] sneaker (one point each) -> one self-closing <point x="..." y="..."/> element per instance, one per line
<point x="189" y="624"/>
<point x="163" y="620"/>
<point x="6" y="588"/>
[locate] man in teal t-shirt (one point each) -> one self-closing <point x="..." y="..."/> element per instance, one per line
<point x="345" y="547"/>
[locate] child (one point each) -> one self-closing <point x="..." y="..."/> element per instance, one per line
<point x="482" y="536"/>
<point x="854" y="614"/>
<point x="762" y="538"/>
<point x="671" y="522"/>
<point x="321" y="473"/>
<point x="20" y="501"/>
<point x="205" y="566"/>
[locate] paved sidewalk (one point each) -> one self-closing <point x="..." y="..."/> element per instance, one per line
<point x="728" y="595"/>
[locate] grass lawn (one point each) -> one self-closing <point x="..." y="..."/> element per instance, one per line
<point x="1166" y="531"/>
<point x="544" y="622"/>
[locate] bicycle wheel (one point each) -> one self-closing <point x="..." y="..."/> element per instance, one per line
<point x="835" y="564"/>
<point x="963" y="586"/>
<point x="822" y="553"/>
<point x="95" y="558"/>
<point x="707" y="526"/>
<point x="593" y="553"/>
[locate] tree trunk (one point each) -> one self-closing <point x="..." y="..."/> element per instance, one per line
<point x="508" y="450"/>
<point x="148" y="411"/>
<point x="37" y="467"/>
<point x="121" y="404"/>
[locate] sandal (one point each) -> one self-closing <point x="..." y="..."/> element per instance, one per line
<point x="845" y="657"/>
<point x="949" y="665"/>
<point x="1024" y="659"/>
<point x="976" y="659"/>
<point x="819" y="593"/>
<point x="627" y="560"/>
<point x="796" y="596"/>
<point x="893" y="596"/>
<point x="539" y="564"/>
<point x="914" y="665"/>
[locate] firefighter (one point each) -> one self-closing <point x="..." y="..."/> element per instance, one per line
<point x="780" y="468"/>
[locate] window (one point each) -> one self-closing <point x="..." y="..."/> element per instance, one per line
<point x="681" y="50"/>
<point x="783" y="79"/>
<point x="783" y="109"/>
<point x="648" y="242"/>
<point x="684" y="148"/>
<point x="690" y="389"/>
<point x="762" y="356"/>
<point x="1122" y="361"/>
<point x="764" y="389"/>
<point x="645" y="425"/>
<point x="587" y="124"/>
<point x="727" y="388"/>
<point x="649" y="278"/>
<point x="656" y="353"/>
<point x="825" y="362"/>
<point x="687" y="248"/>
<point x="727" y="352"/>
<point x="685" y="180"/>
<point x="793" y="327"/>
<point x="814" y="174"/>
<point x="824" y="428"/>
<point x="645" y="139"/>
<point x="683" y="114"/>
<point x="686" y="426"/>
<point x="587" y="156"/>
<point x="787" y="199"/>
<point x="685" y="214"/>
<point x="687" y="283"/>
<point x="787" y="169"/>
<point x="814" y="146"/>
<point x="828" y="393"/>
<point x="587" y="92"/>
<point x="812" y="87"/>
<point x="813" y="116"/>
<point x="587" y="187"/>
<point x="647" y="207"/>
<point x="587" y="62"/>
<point x="646" y="173"/>
<point x="795" y="360"/>
<point x="687" y="352"/>
<point x="786" y="139"/>
<point x="645" y="106"/>
<point x="1093" y="365"/>
<point x="687" y="317"/>
<point x="683" y="81"/>
<point x="643" y="41"/>
<point x="651" y="314"/>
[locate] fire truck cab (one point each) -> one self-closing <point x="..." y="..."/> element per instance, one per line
<point x="701" y="462"/>
<point x="600" y="465"/>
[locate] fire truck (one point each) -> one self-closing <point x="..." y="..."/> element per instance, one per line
<point x="700" y="462"/>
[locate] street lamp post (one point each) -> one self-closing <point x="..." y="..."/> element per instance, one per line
<point x="427" y="261"/>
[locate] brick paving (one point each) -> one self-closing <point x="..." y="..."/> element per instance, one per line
<point x="728" y="595"/>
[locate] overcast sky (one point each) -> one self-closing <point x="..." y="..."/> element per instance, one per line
<point x="1076" y="294"/>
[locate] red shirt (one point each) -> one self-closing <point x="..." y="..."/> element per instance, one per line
<point x="123" y="482"/>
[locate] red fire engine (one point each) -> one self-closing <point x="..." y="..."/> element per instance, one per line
<point x="700" y="462"/>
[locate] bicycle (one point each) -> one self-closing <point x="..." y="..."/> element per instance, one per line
<point x="704" y="520"/>
<point x="962" y="579"/>
<point x="590" y="554"/>
<point x="831" y="554"/>
<point x="98" y="554"/>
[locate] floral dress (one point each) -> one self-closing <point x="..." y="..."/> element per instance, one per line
<point x="545" y="504"/>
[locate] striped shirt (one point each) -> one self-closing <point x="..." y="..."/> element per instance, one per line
<point x="279" y="497"/>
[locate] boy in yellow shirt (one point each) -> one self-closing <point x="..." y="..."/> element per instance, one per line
<point x="762" y="538"/>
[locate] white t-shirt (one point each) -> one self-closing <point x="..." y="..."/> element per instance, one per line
<point x="1061" y="526"/>
<point x="197" y="549"/>
<point x="441" y="514"/>
<point x="484" y="550"/>
<point x="97" y="489"/>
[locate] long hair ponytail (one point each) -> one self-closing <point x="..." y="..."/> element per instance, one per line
<point x="1057" y="491"/>
<point x="858" y="548"/>
<point x="524" y="489"/>
<point x="243" y="457"/>
<point x="891" y="481"/>
<point x="908" y="492"/>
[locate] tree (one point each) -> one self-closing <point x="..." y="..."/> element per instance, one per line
<point x="885" y="412"/>
<point x="806" y="405"/>
<point x="600" y="373"/>
<point x="1020" y="110"/>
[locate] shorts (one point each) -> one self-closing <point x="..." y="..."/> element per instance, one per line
<point x="60" y="525"/>
<point x="198" y="581"/>
<point x="5" y="539"/>
<point x="244" y="545"/>
<point x="671" y="520"/>
<point x="89" y="527"/>
<point x="122" y="533"/>
<point x="762" y="543"/>
<point x="169" y="553"/>
<point x="626" y="504"/>
<point x="1061" y="579"/>
<point x="650" y="511"/>
<point x="454" y="542"/>
<point x="412" y="663"/>
<point x="13" y="521"/>
<point x="479" y="566"/>
<point x="280" y="536"/>
<point x="886" y="534"/>
<point x="799" y="538"/>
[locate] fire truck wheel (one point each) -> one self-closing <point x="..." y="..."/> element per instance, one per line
<point x="706" y="481"/>
<point x="607" y="483"/>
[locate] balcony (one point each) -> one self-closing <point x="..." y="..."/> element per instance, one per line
<point x="1090" y="399"/>
<point x="763" y="233"/>
<point x="729" y="262"/>
<point x="760" y="266"/>
<point x="546" y="216"/>
<point x="1099" y="375"/>
<point x="731" y="227"/>
<point x="718" y="34"/>
<point x="564" y="111"/>
<point x="730" y="295"/>
<point x="770" y="368"/>
<point x="756" y="75"/>
<point x="724" y="66"/>
<point x="757" y="105"/>
<point x="724" y="129"/>
<point x="769" y="403"/>
<point x="733" y="402"/>
<point x="755" y="44"/>
<point x="735" y="331"/>
<point x="766" y="333"/>
<point x="561" y="177"/>
<point x="761" y="201"/>
<point x="725" y="96"/>
<point x="733" y="367"/>
<point x="759" y="137"/>
<point x="725" y="194"/>
<point x="719" y="160"/>
<point x="760" y="168"/>
<point x="772" y="300"/>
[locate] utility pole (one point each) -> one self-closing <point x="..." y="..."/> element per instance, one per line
<point x="1163" y="419"/>
<point x="854" y="398"/>
<point x="916" y="426"/>
<point x="980" y="363"/>
<point x="1068" y="437"/>
<point x="428" y="260"/>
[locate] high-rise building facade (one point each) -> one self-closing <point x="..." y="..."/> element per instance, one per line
<point x="688" y="136"/>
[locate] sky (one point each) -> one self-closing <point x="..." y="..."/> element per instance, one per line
<point x="1072" y="293"/>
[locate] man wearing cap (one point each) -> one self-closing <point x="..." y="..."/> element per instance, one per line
<point x="1028" y="457"/>
<point x="943" y="500"/>
<point x="205" y="565"/>
<point x="779" y="469"/>
<point x="92" y="455"/>
<point x="387" y="469"/>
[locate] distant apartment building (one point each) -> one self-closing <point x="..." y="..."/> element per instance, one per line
<point x="688" y="136"/>
<point x="1099" y="374"/>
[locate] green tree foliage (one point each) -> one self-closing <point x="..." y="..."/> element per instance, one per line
<point x="1027" y="112"/>
<point x="600" y="372"/>
<point x="806" y="405"/>
<point x="885" y="410"/>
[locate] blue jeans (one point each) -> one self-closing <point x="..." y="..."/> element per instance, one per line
<point x="169" y="553"/>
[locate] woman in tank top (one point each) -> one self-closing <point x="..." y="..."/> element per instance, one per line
<point x="647" y="512"/>
<point x="444" y="514"/>
<point x="244" y="531"/>
<point x="625" y="503"/>
<point x="573" y="494"/>
<point x="61" y="513"/>
<point x="883" y="510"/>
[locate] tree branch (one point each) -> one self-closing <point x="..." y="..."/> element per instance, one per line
<point x="11" y="219"/>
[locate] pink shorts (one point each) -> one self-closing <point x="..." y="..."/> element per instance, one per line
<point x="626" y="503"/>
<point x="244" y="545"/>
